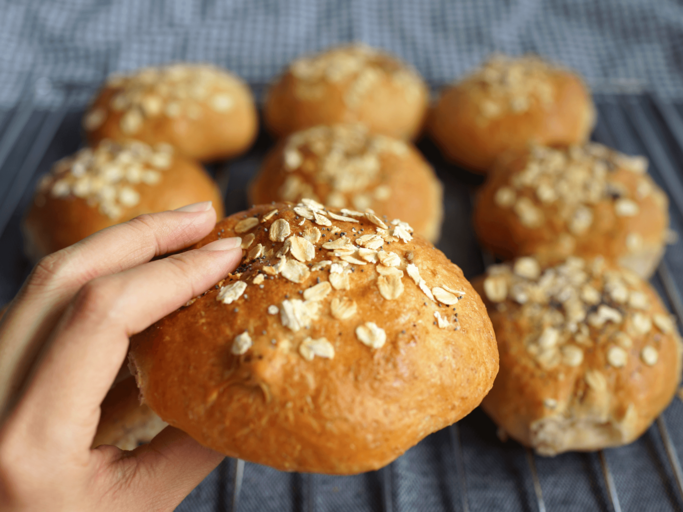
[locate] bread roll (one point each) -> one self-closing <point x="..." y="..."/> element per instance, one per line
<point x="346" y="166"/>
<point x="339" y="342"/>
<point x="109" y="184"/>
<point x="507" y="104"/>
<point x="206" y="113"/>
<point x="584" y="201"/>
<point x="348" y="84"/>
<point x="589" y="356"/>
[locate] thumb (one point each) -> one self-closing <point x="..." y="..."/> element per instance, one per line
<point x="159" y="475"/>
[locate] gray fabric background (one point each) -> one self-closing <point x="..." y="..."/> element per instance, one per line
<point x="615" y="44"/>
<point x="619" y="46"/>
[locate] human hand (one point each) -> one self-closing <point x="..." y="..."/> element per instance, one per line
<point x="62" y="342"/>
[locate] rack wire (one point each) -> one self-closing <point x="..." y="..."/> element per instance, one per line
<point x="636" y="124"/>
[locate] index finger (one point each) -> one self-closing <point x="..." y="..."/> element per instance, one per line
<point x="92" y="340"/>
<point x="58" y="277"/>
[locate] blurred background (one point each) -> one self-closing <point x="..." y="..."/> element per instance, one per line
<point x="54" y="56"/>
<point x="615" y="44"/>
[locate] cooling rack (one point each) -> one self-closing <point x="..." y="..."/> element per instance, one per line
<point x="465" y="467"/>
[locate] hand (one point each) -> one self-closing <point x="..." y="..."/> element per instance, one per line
<point x="62" y="342"/>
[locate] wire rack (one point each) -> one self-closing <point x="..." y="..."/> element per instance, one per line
<point x="464" y="467"/>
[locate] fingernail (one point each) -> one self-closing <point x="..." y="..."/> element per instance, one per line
<point x="224" y="244"/>
<point x="204" y="206"/>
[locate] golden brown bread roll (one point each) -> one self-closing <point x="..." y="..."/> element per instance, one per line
<point x="338" y="343"/>
<point x="109" y="184"/>
<point x="585" y="201"/>
<point x="589" y="356"/>
<point x="348" y="84"/>
<point x="507" y="104"/>
<point x="205" y="112"/>
<point x="346" y="166"/>
<point x="124" y="422"/>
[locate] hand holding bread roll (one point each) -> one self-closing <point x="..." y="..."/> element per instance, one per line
<point x="340" y="341"/>
<point x="62" y="342"/>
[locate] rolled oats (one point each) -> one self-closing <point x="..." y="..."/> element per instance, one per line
<point x="340" y="281"/>
<point x="441" y="321"/>
<point x="390" y="287"/>
<point x="496" y="288"/>
<point x="376" y="220"/>
<point x="296" y="314"/>
<point x="649" y="355"/>
<point x="572" y="355"/>
<point x="663" y="323"/>
<point x="231" y="292"/>
<point x="626" y="208"/>
<point x="370" y="241"/>
<point x="343" y="308"/>
<point x="295" y="271"/>
<point x="247" y="241"/>
<point x="318" y="291"/>
<point x="389" y="259"/>
<point x="310" y="347"/>
<point x="256" y="252"/>
<point x="505" y="197"/>
<point x="371" y="335"/>
<point x="617" y="357"/>
<point x="444" y="296"/>
<point x="527" y="267"/>
<point x="241" y="344"/>
<point x="301" y="249"/>
<point x="246" y="225"/>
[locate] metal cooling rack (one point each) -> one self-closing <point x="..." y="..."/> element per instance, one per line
<point x="464" y="467"/>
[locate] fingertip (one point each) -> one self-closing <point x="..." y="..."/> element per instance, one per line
<point x="223" y="244"/>
<point x="202" y="207"/>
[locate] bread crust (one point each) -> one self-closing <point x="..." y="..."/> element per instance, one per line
<point x="68" y="207"/>
<point x="206" y="113"/>
<point x="584" y="201"/>
<point x="351" y="407"/>
<point x="344" y="165"/>
<point x="124" y="422"/>
<point x="348" y="84"/>
<point x="597" y="386"/>
<point x="481" y="117"/>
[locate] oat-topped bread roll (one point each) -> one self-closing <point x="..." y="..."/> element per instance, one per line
<point x="589" y="356"/>
<point x="346" y="84"/>
<point x="338" y="343"/>
<point x="205" y="112"/>
<point x="585" y="201"/>
<point x="346" y="166"/>
<point x="124" y="422"/>
<point x="507" y="104"/>
<point x="109" y="184"/>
